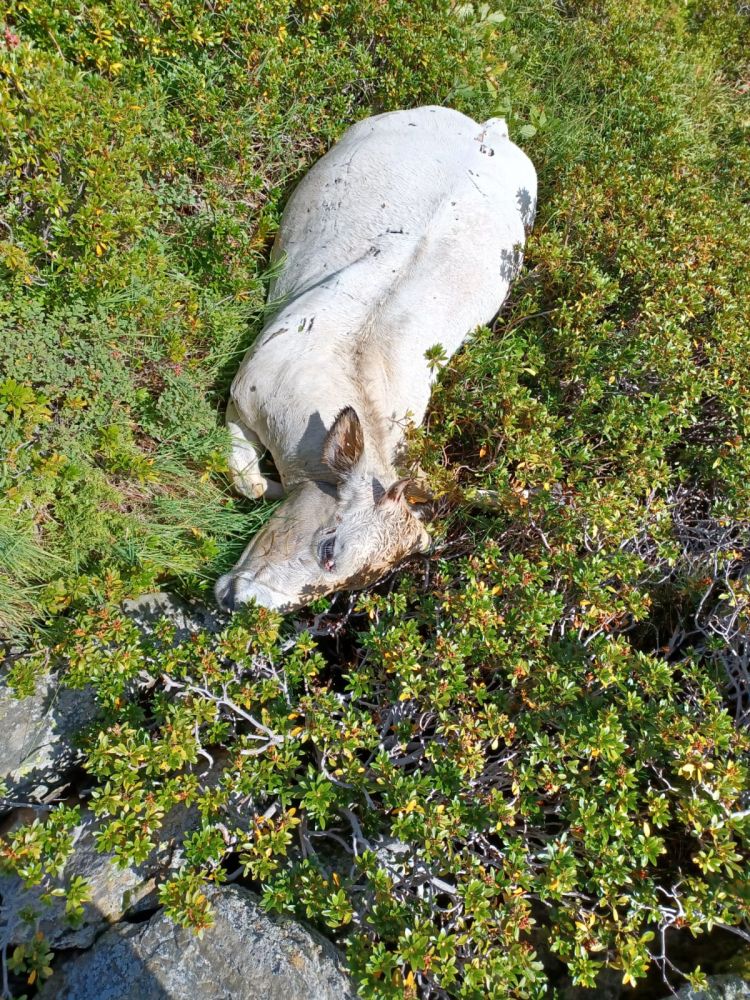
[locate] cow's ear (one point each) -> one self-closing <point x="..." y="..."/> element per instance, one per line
<point x="344" y="442"/>
<point x="407" y="490"/>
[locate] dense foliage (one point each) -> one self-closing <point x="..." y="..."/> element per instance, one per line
<point x="527" y="744"/>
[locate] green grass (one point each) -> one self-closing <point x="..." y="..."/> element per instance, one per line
<point x="145" y="158"/>
<point x="557" y="742"/>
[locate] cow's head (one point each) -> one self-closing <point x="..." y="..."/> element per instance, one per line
<point x="324" y="538"/>
<point x="278" y="568"/>
<point x="376" y="524"/>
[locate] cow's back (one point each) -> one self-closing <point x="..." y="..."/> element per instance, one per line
<point x="383" y="183"/>
<point x="403" y="236"/>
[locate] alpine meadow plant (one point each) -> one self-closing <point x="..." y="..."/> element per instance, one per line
<point x="526" y="752"/>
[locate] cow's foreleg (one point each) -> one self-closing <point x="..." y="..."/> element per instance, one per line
<point x="244" y="460"/>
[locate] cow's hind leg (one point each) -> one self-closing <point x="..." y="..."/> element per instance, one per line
<point x="244" y="460"/>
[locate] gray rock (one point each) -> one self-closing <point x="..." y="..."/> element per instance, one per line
<point x="719" y="988"/>
<point x="245" y="955"/>
<point x="36" y="750"/>
<point x="608" y="987"/>
<point x="148" y="609"/>
<point x="115" y="891"/>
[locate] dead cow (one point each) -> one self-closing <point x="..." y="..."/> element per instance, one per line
<point x="405" y="235"/>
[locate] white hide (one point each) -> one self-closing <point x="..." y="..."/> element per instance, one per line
<point x="405" y="235"/>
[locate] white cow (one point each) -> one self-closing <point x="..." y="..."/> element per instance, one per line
<point x="405" y="235"/>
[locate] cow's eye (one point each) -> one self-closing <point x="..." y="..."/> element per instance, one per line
<point x="325" y="552"/>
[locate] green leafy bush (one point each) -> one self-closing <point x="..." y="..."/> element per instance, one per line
<point x="464" y="770"/>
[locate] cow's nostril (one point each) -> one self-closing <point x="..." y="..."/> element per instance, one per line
<point x="225" y="592"/>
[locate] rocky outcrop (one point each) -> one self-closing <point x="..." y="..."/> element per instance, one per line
<point x="148" y="609"/>
<point x="37" y="748"/>
<point x="719" y="988"/>
<point x="115" y="891"/>
<point x="245" y="955"/>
